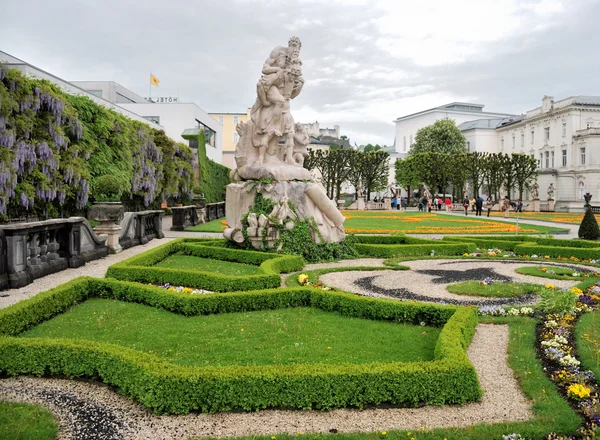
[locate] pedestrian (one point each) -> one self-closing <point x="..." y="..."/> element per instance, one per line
<point x="394" y="202"/>
<point x="489" y="204"/>
<point x="439" y="203"/>
<point x="472" y="204"/>
<point x="448" y="204"/>
<point x="520" y="205"/>
<point x="506" y="206"/>
<point x="478" y="206"/>
<point x="429" y="204"/>
<point x="466" y="205"/>
<point x="404" y="202"/>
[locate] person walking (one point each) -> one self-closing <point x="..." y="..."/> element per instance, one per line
<point x="472" y="204"/>
<point x="489" y="204"/>
<point x="466" y="205"/>
<point x="429" y="204"/>
<point x="478" y="206"/>
<point x="394" y="202"/>
<point x="506" y="207"/>
<point x="448" y="204"/>
<point x="404" y="202"/>
<point x="439" y="203"/>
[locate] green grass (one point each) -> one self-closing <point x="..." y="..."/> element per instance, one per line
<point x="20" y="421"/>
<point x="587" y="339"/>
<point x="551" y="411"/>
<point x="431" y="223"/>
<point x="188" y="262"/>
<point x="561" y="273"/>
<point x="211" y="226"/>
<point x="499" y="290"/>
<point x="272" y="337"/>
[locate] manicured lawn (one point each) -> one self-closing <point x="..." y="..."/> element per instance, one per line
<point x="213" y="226"/>
<point x="587" y="338"/>
<point x="559" y="273"/>
<point x="187" y="262"/>
<point x="384" y="222"/>
<point x="26" y="422"/>
<point x="559" y="217"/>
<point x="272" y="337"/>
<point x="500" y="290"/>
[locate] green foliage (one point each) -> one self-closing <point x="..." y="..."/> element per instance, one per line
<point x="552" y="301"/>
<point x="413" y="250"/>
<point x="442" y="136"/>
<point x="589" y="230"/>
<point x="214" y="177"/>
<point x="558" y="251"/>
<point x="495" y="290"/>
<point x="587" y="347"/>
<point x="107" y="189"/>
<point x="167" y="388"/>
<point x="141" y="268"/>
<point x="19" y="421"/>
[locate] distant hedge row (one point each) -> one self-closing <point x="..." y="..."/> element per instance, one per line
<point x="167" y="388"/>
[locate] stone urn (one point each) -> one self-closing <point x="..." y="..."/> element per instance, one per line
<point x="200" y="203"/>
<point x="109" y="214"/>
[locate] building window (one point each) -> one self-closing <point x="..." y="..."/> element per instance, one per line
<point x="410" y="140"/>
<point x="236" y="119"/>
<point x="502" y="143"/>
<point x="552" y="158"/>
<point x="522" y="139"/>
<point x="236" y="137"/>
<point x="564" y="158"/>
<point x="581" y="190"/>
<point x="404" y="144"/>
<point x="547" y="159"/>
<point x="547" y="133"/>
<point x="564" y="129"/>
<point x="468" y="147"/>
<point x="589" y="125"/>
<point x="514" y="141"/>
<point x="532" y="136"/>
<point x="97" y="93"/>
<point x="209" y="134"/>
<point x="582" y="155"/>
<point x="221" y="120"/>
<point x="540" y="161"/>
<point x="155" y="119"/>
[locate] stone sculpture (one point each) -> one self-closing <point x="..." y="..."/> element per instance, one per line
<point x="551" y="192"/>
<point x="535" y="191"/>
<point x="270" y="157"/>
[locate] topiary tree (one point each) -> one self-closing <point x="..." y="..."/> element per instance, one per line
<point x="589" y="230"/>
<point x="107" y="189"/>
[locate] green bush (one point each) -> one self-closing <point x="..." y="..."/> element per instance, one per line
<point x="589" y="230"/>
<point x="167" y="388"/>
<point x="414" y="250"/>
<point x="486" y="243"/>
<point x="558" y="251"/>
<point x="107" y="189"/>
<point x="141" y="267"/>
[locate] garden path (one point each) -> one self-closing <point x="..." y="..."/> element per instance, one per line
<point x="87" y="410"/>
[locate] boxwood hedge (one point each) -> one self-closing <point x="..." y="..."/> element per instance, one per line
<point x="167" y="388"/>
<point x="141" y="267"/>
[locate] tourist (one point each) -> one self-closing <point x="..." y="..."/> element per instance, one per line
<point x="506" y="206"/>
<point x="466" y="205"/>
<point x="404" y="202"/>
<point x="448" y="204"/>
<point x="478" y="206"/>
<point x="439" y="203"/>
<point x="489" y="204"/>
<point x="429" y="204"/>
<point x="519" y="206"/>
<point x="394" y="202"/>
<point x="472" y="204"/>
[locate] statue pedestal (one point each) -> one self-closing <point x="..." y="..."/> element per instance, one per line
<point x="551" y="205"/>
<point x="535" y="205"/>
<point x="293" y="200"/>
<point x="112" y="230"/>
<point x="387" y="203"/>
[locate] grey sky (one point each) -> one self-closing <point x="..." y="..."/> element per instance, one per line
<point x="365" y="62"/>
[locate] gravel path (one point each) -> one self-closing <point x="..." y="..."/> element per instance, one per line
<point x="96" y="269"/>
<point x="88" y="410"/>
<point x="427" y="280"/>
<point x="365" y="262"/>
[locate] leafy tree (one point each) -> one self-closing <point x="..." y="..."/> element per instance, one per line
<point x="405" y="174"/>
<point x="493" y="174"/>
<point x="525" y="169"/>
<point x="334" y="147"/>
<point x="441" y="137"/>
<point x="475" y="167"/>
<point x="375" y="171"/>
<point x="368" y="148"/>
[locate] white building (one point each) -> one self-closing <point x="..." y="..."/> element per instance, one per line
<point x="314" y="129"/>
<point x="111" y="91"/>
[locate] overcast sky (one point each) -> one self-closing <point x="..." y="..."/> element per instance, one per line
<point x="365" y="62"/>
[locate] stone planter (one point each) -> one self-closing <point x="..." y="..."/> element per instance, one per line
<point x="200" y="204"/>
<point x="108" y="214"/>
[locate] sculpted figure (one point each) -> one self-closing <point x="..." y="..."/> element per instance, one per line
<point x="551" y="192"/>
<point x="301" y="141"/>
<point x="535" y="191"/>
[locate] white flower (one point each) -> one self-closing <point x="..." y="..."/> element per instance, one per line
<point x="568" y="360"/>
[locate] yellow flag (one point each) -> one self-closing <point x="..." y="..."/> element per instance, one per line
<point x="154" y="80"/>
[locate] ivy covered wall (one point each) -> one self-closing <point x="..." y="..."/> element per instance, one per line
<point x="214" y="177"/>
<point x="54" y="145"/>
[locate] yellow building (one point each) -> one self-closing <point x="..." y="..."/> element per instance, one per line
<point x="230" y="135"/>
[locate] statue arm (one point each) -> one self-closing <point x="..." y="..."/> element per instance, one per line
<point x="268" y="67"/>
<point x="297" y="87"/>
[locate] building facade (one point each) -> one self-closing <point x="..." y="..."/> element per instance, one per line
<point x="314" y="129"/>
<point x="230" y="136"/>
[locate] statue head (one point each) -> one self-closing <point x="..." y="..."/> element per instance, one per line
<point x="295" y="43"/>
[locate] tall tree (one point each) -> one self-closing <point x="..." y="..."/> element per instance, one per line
<point x="375" y="171"/>
<point x="443" y="136"/>
<point x="475" y="165"/>
<point x="493" y="174"/>
<point x="525" y="171"/>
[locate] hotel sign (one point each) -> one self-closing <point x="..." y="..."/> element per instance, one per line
<point x="163" y="99"/>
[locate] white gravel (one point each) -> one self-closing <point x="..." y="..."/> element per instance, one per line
<point x="364" y="262"/>
<point x="79" y="406"/>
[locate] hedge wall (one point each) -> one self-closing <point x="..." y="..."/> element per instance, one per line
<point x="141" y="267"/>
<point x="167" y="388"/>
<point x="414" y="250"/>
<point x="53" y="146"/>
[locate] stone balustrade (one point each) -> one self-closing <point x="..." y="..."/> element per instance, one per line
<point x="140" y="227"/>
<point x="184" y="217"/>
<point x="215" y="211"/>
<point x="32" y="250"/>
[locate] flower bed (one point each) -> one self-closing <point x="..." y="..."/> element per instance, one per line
<point x="167" y="388"/>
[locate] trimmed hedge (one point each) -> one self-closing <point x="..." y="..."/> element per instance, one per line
<point x="558" y="251"/>
<point x="414" y="250"/>
<point x="486" y="243"/>
<point x="141" y="267"/>
<point x="391" y="239"/>
<point x="167" y="388"/>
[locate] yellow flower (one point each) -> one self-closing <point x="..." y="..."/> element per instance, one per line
<point x="383" y="433"/>
<point x="241" y="330"/>
<point x="303" y="278"/>
<point x="465" y="255"/>
<point x="273" y="437"/>
<point x="578" y="391"/>
<point x="576" y="291"/>
<point x="550" y="286"/>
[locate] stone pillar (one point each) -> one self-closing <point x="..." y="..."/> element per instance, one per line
<point x="360" y="204"/>
<point x="387" y="203"/>
<point x="535" y="205"/>
<point x="551" y="205"/>
<point x="113" y="231"/>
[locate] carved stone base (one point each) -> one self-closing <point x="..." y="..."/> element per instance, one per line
<point x="308" y="198"/>
<point x="278" y="172"/>
<point x="551" y="205"/>
<point x="112" y="231"/>
<point x="535" y="205"/>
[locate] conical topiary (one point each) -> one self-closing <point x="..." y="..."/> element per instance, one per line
<point x="589" y="230"/>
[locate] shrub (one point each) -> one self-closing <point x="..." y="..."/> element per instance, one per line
<point x="167" y="388"/>
<point x="413" y="250"/>
<point x="588" y="230"/>
<point x="107" y="189"/>
<point x="558" y="251"/>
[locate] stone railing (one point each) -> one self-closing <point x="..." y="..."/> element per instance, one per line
<point x="544" y="207"/>
<point x="375" y="205"/>
<point x="215" y="211"/>
<point x="595" y="209"/>
<point x="140" y="227"/>
<point x="184" y="217"/>
<point x="32" y="250"/>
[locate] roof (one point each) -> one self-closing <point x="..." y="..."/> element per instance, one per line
<point x="191" y="133"/>
<point x="489" y="124"/>
<point x="463" y="107"/>
<point x="587" y="100"/>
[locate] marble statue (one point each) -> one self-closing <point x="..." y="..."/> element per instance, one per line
<point x="270" y="158"/>
<point x="551" y="192"/>
<point x="535" y="191"/>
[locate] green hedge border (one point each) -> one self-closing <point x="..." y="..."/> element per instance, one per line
<point x="167" y="388"/>
<point x="141" y="267"/>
